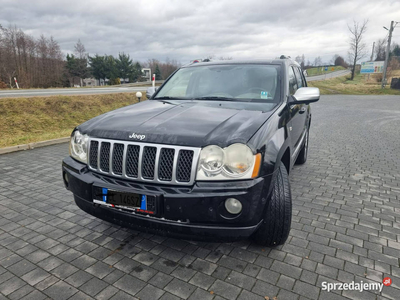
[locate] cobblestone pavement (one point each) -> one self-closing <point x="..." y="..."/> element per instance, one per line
<point x="346" y="226"/>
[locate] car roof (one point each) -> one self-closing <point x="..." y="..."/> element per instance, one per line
<point x="283" y="61"/>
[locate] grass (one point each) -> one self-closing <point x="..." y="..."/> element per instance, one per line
<point x="359" y="86"/>
<point x="321" y="70"/>
<point x="27" y="120"/>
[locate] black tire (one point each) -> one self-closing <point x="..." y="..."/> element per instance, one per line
<point x="302" y="158"/>
<point x="278" y="216"/>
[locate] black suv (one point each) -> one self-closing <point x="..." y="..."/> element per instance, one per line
<point x="207" y="157"/>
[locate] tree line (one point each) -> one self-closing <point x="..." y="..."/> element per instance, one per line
<point x="35" y="62"/>
<point x="40" y="63"/>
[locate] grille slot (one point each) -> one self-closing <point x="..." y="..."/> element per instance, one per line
<point x="166" y="164"/>
<point x="184" y="167"/>
<point x="117" y="158"/>
<point x="105" y="157"/>
<point x="94" y="151"/>
<point x="132" y="161"/>
<point x="150" y="163"/>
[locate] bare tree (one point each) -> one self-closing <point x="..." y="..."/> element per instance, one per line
<point x="80" y="50"/>
<point x="35" y="62"/>
<point x="81" y="61"/>
<point x="357" y="45"/>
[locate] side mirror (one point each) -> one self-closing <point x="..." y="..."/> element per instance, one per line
<point x="306" y="95"/>
<point x="150" y="92"/>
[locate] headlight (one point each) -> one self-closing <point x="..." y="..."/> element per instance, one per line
<point x="212" y="159"/>
<point x="78" y="146"/>
<point x="234" y="162"/>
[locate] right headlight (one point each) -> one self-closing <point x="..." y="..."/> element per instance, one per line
<point x="78" y="146"/>
<point x="234" y="162"/>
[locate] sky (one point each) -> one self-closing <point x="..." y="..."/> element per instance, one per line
<point x="185" y="30"/>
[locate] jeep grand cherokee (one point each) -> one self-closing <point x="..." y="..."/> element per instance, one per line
<point x="207" y="157"/>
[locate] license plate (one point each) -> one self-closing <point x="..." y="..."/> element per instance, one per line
<point x="125" y="199"/>
<point x="138" y="202"/>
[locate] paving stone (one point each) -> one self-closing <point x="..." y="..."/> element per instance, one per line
<point x="78" y="278"/>
<point x="35" y="276"/>
<point x="93" y="286"/>
<point x="60" y="290"/>
<point x="183" y="273"/>
<point x="224" y="289"/>
<point x="143" y="272"/>
<point x="150" y="292"/>
<point x="265" y="289"/>
<point x="100" y="270"/>
<point x="202" y="280"/>
<point x="130" y="284"/>
<point x="122" y="296"/>
<point x="306" y="290"/>
<point x="240" y="280"/>
<point x="107" y="293"/>
<point x="200" y="294"/>
<point x="180" y="288"/>
<point x="64" y="270"/>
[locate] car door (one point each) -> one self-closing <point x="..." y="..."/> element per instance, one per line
<point x="295" y="110"/>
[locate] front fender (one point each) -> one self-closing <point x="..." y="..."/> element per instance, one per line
<point x="272" y="140"/>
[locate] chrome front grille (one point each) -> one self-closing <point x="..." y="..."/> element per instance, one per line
<point x="156" y="163"/>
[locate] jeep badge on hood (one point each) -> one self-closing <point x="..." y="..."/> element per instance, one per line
<point x="137" y="136"/>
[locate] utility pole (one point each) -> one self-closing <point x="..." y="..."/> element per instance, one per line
<point x="372" y="56"/>
<point x="387" y="55"/>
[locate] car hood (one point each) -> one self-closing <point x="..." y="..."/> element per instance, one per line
<point x="194" y="124"/>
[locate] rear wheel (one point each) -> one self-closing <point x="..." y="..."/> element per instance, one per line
<point x="302" y="158"/>
<point x="276" y="225"/>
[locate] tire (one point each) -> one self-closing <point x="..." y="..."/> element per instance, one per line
<point x="275" y="228"/>
<point x="302" y="158"/>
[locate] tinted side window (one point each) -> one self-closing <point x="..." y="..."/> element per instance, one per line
<point x="292" y="81"/>
<point x="298" y="77"/>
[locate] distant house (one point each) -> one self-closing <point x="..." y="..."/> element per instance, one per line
<point x="146" y="74"/>
<point x="90" y="82"/>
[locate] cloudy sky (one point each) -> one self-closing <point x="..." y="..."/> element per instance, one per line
<point x="190" y="29"/>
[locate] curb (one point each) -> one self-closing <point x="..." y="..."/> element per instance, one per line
<point x="33" y="145"/>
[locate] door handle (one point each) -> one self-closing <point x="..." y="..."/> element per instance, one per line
<point x="302" y="110"/>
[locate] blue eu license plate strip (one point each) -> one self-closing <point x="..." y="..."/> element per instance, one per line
<point x="143" y="204"/>
<point x="105" y="192"/>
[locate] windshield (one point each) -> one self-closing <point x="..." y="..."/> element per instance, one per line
<point x="236" y="82"/>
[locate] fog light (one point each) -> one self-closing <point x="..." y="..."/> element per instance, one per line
<point x="65" y="177"/>
<point x="233" y="206"/>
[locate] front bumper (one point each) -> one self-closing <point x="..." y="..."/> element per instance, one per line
<point x="195" y="212"/>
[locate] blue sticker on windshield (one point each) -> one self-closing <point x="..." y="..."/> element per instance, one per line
<point x="264" y="95"/>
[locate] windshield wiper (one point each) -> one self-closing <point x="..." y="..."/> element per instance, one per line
<point x="215" y="98"/>
<point x="162" y="99"/>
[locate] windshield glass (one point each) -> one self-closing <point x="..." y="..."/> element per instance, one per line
<point x="236" y="82"/>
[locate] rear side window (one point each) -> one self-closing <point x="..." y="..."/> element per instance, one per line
<point x="299" y="78"/>
<point x="292" y="81"/>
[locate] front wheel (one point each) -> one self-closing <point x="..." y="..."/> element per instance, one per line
<point x="275" y="228"/>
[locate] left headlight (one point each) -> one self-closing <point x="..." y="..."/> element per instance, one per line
<point x="78" y="146"/>
<point x="234" y="162"/>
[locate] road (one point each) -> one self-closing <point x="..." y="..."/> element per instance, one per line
<point x="70" y="91"/>
<point x="328" y="75"/>
<point x="345" y="226"/>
